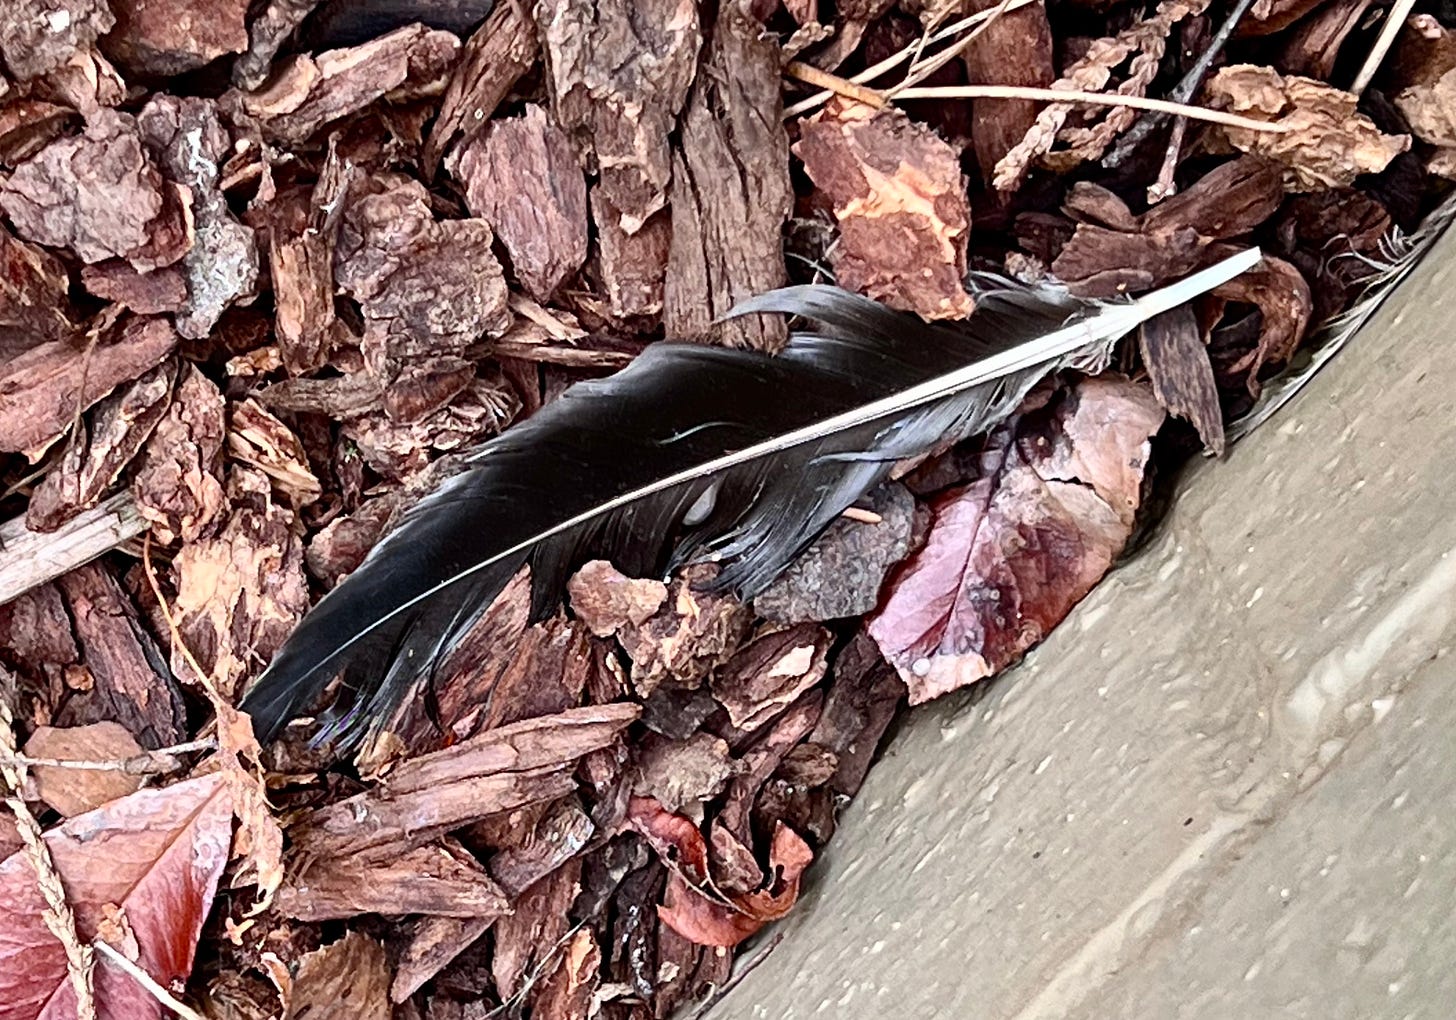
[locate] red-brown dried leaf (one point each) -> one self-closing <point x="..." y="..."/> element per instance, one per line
<point x="900" y="199"/>
<point x="1010" y="554"/>
<point x="72" y="791"/>
<point x="158" y="855"/>
<point x="700" y="920"/>
<point x="1283" y="296"/>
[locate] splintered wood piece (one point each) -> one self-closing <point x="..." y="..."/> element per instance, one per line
<point x="33" y="558"/>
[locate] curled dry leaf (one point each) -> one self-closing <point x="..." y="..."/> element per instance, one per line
<point x="900" y="199"/>
<point x="1282" y="296"/>
<point x="157" y="855"/>
<point x="707" y="923"/>
<point x="1431" y="111"/>
<point x="1325" y="141"/>
<point x="1010" y="554"/>
<point x="74" y="791"/>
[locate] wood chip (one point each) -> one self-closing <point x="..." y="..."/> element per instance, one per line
<point x="346" y="980"/>
<point x="178" y="485"/>
<point x="439" y="880"/>
<point x="1178" y="367"/>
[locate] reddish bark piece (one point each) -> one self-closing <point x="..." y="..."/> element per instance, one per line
<point x="687" y="638"/>
<point x="1178" y="367"/>
<point x="302" y="267"/>
<point x="129" y="682"/>
<point x="632" y="267"/>
<point x="680" y="774"/>
<point x="97" y="194"/>
<point x="619" y="72"/>
<point x="38" y="36"/>
<point x="492" y="60"/>
<point x="522" y="177"/>
<point x="306" y="92"/>
<point x="34" y="305"/>
<point x="568" y="989"/>
<point x="769" y="673"/>
<point x="167" y="37"/>
<point x="731" y="193"/>
<point x="345" y="980"/>
<point x="36" y="635"/>
<point x="537" y="923"/>
<point x="1010" y="554"/>
<point x="160" y="291"/>
<point x="900" y="199"/>
<point x="74" y="791"/>
<point x="493" y="772"/>
<point x="699" y="919"/>
<point x="400" y="449"/>
<point x="607" y="600"/>
<point x="864" y="695"/>
<point x="441" y="881"/>
<point x="1014" y="48"/>
<point x="241" y="593"/>
<point x="545" y="674"/>
<point x="258" y="438"/>
<point x="29" y="125"/>
<point x="1325" y="142"/>
<point x="42" y="390"/>
<point x="157" y="855"/>
<point x="178" y="486"/>
<point x="760" y="761"/>
<point x="99" y="450"/>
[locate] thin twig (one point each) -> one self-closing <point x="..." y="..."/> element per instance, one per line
<point x="1183" y="92"/>
<point x="1166" y="184"/>
<point x="834" y="83"/>
<point x="923" y="69"/>
<point x="905" y="53"/>
<point x="149" y="763"/>
<point x="144" y="979"/>
<point x="1399" y="11"/>
<point x="1093" y="99"/>
<point x="57" y="913"/>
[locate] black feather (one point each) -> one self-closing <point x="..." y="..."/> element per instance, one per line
<point x="690" y="452"/>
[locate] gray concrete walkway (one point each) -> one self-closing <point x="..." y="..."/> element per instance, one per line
<point x="1225" y="788"/>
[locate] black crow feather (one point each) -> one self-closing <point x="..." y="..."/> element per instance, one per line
<point x="691" y="452"/>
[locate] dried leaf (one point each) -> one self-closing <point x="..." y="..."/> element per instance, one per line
<point x="699" y="919"/>
<point x="156" y="854"/>
<point x="74" y="791"/>
<point x="1325" y="141"/>
<point x="1010" y="554"/>
<point x="900" y="199"/>
<point x="346" y="980"/>
<point x="522" y="177"/>
<point x="1282" y="295"/>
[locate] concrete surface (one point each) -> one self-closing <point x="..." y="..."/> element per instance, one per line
<point x="1226" y="786"/>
